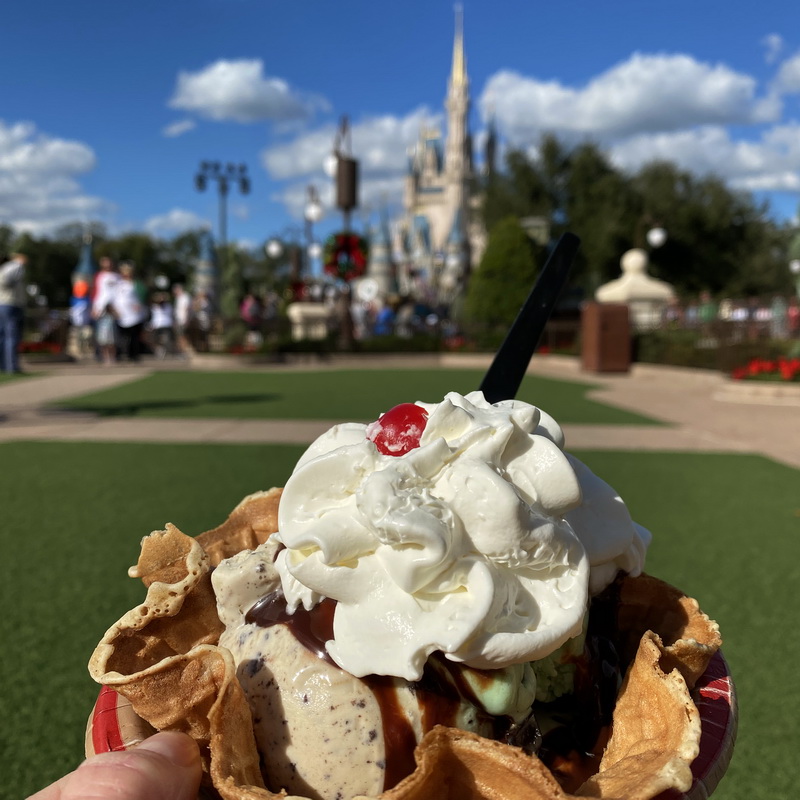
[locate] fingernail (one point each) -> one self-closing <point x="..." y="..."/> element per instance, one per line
<point x="178" y="748"/>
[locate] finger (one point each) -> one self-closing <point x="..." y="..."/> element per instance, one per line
<point x="164" y="767"/>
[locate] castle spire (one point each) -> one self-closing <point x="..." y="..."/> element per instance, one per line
<point x="458" y="73"/>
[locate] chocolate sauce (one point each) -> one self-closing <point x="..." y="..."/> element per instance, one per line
<point x="439" y="694"/>
<point x="571" y="750"/>
<point x="311" y="628"/>
<point x="398" y="735"/>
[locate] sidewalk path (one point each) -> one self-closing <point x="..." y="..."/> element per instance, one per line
<point x="704" y="412"/>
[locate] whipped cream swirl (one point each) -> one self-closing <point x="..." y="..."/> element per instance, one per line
<point x="483" y="543"/>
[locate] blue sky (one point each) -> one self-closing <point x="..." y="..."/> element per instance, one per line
<point x="107" y="108"/>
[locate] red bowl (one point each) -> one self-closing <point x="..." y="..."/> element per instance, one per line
<point x="113" y="725"/>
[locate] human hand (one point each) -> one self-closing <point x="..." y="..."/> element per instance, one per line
<point x="163" y="767"/>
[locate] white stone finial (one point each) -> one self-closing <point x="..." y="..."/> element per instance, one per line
<point x="634" y="262"/>
<point x="645" y="296"/>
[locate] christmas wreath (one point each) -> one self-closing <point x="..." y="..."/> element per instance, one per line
<point x="345" y="255"/>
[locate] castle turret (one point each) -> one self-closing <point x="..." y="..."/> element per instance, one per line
<point x="438" y="191"/>
<point x="457" y="105"/>
<point x="456" y="260"/>
<point x="490" y="152"/>
<point x="379" y="265"/>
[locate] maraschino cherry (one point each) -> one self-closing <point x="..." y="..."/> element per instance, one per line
<point x="398" y="431"/>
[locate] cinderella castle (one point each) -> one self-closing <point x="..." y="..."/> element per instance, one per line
<point x="430" y="251"/>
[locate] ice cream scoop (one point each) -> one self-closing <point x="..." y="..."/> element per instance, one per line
<point x="318" y="721"/>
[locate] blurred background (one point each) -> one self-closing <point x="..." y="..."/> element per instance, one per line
<point x="405" y="169"/>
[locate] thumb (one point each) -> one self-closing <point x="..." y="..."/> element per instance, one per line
<point x="165" y="766"/>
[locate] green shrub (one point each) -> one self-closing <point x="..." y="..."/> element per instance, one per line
<point x="418" y="343"/>
<point x="692" y="348"/>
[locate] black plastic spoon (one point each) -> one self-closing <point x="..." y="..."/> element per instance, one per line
<point x="504" y="376"/>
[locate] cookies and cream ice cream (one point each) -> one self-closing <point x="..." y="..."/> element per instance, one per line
<point x="465" y="540"/>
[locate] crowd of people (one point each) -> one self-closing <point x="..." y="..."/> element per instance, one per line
<point x="118" y="318"/>
<point x="752" y="318"/>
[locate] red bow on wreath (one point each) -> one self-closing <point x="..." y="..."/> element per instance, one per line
<point x="345" y="256"/>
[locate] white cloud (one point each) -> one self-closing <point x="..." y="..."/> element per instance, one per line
<point x="379" y="143"/>
<point x="22" y="150"/>
<point x="787" y="80"/>
<point x="773" y="45"/>
<point x="770" y="163"/>
<point x="39" y="188"/>
<point x="175" y="222"/>
<point x="239" y="91"/>
<point x="178" y="128"/>
<point x="708" y="119"/>
<point x="646" y="93"/>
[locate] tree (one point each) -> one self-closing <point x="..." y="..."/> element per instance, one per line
<point x="140" y="248"/>
<point x="600" y="207"/>
<point x="574" y="190"/>
<point x="504" y="278"/>
<point x="719" y="239"/>
<point x="520" y="191"/>
<point x="6" y="238"/>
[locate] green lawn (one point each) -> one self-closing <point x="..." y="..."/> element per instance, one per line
<point x="330" y="394"/>
<point x="7" y="377"/>
<point x="726" y="530"/>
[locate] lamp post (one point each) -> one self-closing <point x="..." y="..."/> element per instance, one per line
<point x="344" y="167"/>
<point x="225" y="175"/>
<point x="794" y="258"/>
<point x="794" y="268"/>
<point x="276" y="246"/>
<point x="302" y="255"/>
<point x="312" y="213"/>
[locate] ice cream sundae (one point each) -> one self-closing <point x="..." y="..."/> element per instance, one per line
<point x="442" y="595"/>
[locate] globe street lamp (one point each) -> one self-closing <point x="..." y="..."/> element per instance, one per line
<point x="312" y="213"/>
<point x="225" y="176"/>
<point x="276" y="247"/>
<point x="794" y="268"/>
<point x="303" y="255"/>
<point x="656" y="237"/>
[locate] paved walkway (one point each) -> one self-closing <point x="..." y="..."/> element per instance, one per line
<point x="705" y="411"/>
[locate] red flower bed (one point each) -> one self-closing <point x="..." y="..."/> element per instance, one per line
<point x="782" y="369"/>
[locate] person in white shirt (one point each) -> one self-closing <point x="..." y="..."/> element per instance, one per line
<point x="104" y="283"/>
<point x="130" y="310"/>
<point x="183" y="317"/>
<point x="13" y="298"/>
<point x="162" y="324"/>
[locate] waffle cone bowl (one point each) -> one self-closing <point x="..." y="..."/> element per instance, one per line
<point x="161" y="668"/>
